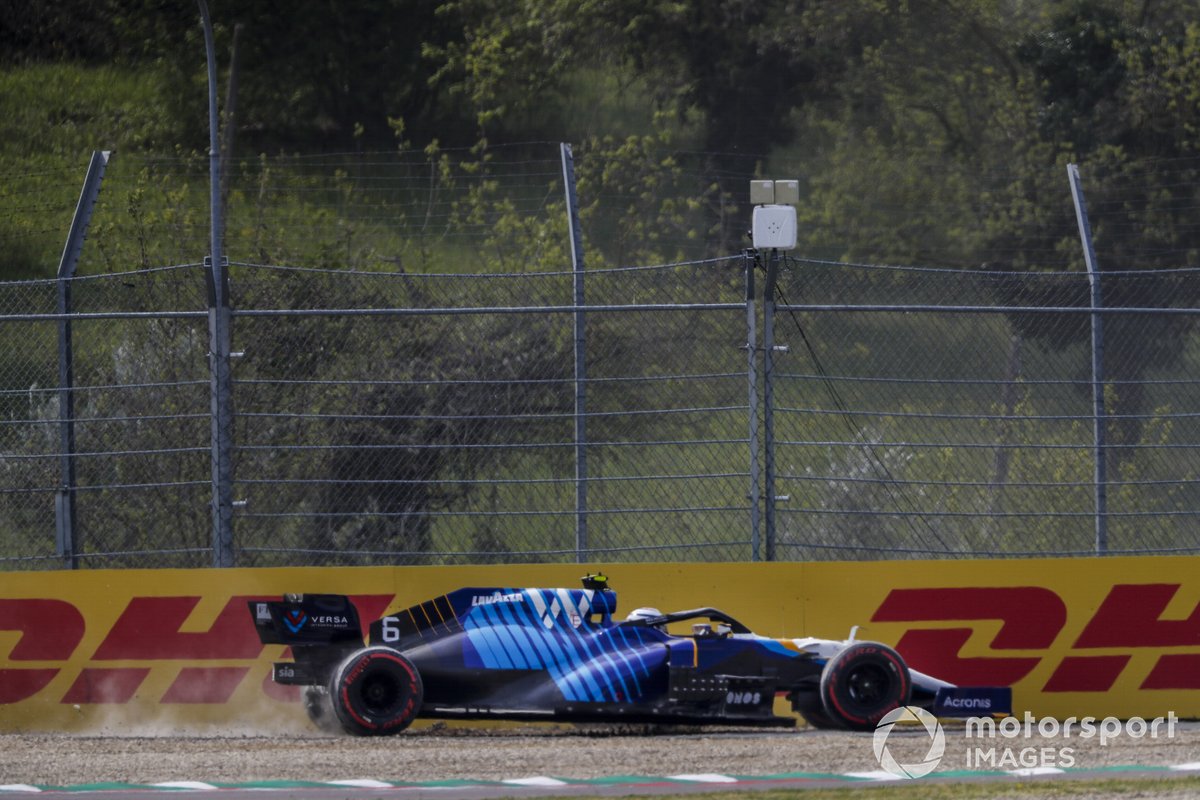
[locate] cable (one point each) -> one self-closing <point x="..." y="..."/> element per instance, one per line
<point x="888" y="480"/>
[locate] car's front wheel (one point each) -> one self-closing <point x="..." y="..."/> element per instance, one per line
<point x="862" y="683"/>
<point x="819" y="718"/>
<point x="376" y="691"/>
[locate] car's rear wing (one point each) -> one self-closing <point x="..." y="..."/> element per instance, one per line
<point x="320" y="629"/>
<point x="306" y="619"/>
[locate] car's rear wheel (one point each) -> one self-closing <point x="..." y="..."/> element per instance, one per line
<point x="376" y="691"/>
<point x="862" y="683"/>
<point x="319" y="707"/>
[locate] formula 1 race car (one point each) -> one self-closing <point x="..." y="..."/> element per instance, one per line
<point x="558" y="654"/>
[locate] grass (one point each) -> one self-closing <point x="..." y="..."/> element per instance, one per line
<point x="55" y="115"/>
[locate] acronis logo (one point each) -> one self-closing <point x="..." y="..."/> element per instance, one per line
<point x="984" y="703"/>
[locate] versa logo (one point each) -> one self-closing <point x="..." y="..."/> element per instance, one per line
<point x="1032" y="617"/>
<point x="295" y="620"/>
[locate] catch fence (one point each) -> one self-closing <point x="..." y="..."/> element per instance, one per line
<point x="746" y="407"/>
<point x="423" y="419"/>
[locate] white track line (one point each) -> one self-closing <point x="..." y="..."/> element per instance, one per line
<point x="536" y="780"/>
<point x="877" y="775"/>
<point x="1031" y="772"/>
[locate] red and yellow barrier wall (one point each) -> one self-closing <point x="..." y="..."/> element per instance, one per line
<point x="1099" y="637"/>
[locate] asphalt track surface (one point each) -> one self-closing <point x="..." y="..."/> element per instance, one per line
<point x="454" y="763"/>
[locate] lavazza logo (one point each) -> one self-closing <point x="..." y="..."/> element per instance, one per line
<point x="496" y="597"/>
<point x="1012" y="743"/>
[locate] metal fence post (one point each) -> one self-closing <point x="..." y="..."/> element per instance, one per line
<point x="769" y="403"/>
<point x="752" y="409"/>
<point x="581" y="473"/>
<point x="1099" y="415"/>
<point x="221" y="412"/>
<point x="219" y="336"/>
<point x="64" y="501"/>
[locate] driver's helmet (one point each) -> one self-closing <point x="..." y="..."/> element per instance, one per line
<point x="643" y="613"/>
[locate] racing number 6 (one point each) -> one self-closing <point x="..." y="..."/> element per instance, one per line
<point x="391" y="629"/>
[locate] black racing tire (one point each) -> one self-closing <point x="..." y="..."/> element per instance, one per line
<point x="862" y="683"/>
<point x="376" y="691"/>
<point x="319" y="707"/>
<point x="818" y="718"/>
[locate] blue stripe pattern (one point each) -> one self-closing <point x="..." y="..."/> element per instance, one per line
<point x="551" y="630"/>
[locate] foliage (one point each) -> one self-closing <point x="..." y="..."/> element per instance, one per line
<point x="55" y="115"/>
<point x="925" y="132"/>
<point x="932" y="131"/>
<point x="391" y="438"/>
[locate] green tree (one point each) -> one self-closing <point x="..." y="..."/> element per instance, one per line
<point x="1113" y="96"/>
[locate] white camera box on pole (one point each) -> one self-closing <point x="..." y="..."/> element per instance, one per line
<point x="774" y="227"/>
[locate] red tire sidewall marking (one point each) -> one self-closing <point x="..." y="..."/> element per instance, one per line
<point x="835" y="678"/>
<point x="357" y="671"/>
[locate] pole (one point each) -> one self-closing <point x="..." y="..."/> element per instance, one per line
<point x="752" y="415"/>
<point x="581" y="473"/>
<point x="769" y="402"/>
<point x="68" y="545"/>
<point x="229" y="128"/>
<point x="1099" y="415"/>
<point x="219" y="321"/>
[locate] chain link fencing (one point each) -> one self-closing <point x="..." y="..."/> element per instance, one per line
<point x="432" y="418"/>
<point x="131" y="452"/>
<point x="934" y="412"/>
<point x="414" y="396"/>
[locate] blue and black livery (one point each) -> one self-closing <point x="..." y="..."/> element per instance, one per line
<point x="559" y="654"/>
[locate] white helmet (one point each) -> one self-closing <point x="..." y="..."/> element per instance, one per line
<point x="646" y="612"/>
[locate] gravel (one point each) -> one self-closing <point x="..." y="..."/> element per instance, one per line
<point x="441" y="752"/>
